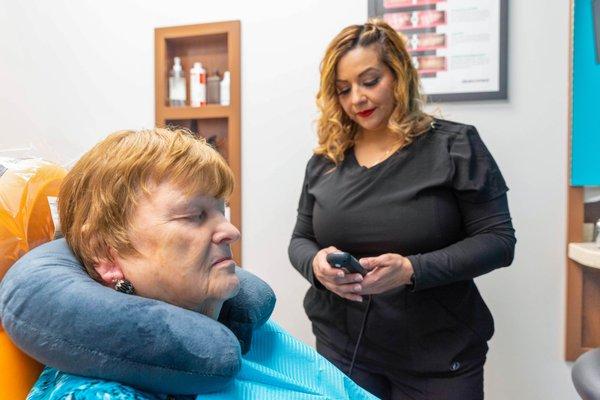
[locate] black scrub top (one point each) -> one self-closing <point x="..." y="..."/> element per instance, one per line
<point x="441" y="202"/>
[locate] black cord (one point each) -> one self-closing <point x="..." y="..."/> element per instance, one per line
<point x="362" y="329"/>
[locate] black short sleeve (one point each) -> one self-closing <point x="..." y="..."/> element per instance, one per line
<point x="477" y="178"/>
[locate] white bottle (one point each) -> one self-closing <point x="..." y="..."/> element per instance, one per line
<point x="197" y="85"/>
<point x="225" y="89"/>
<point x="177" y="85"/>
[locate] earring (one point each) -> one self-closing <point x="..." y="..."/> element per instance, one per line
<point x="123" y="286"/>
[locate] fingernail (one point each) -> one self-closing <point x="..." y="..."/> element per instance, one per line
<point x="357" y="288"/>
<point x="340" y="274"/>
<point x="359" y="299"/>
<point x="359" y="279"/>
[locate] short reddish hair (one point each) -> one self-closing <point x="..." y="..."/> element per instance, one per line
<point x="98" y="196"/>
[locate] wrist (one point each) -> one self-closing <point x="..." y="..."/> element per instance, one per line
<point x="410" y="273"/>
<point x="315" y="281"/>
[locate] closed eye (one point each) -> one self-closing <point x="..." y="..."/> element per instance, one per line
<point x="197" y="218"/>
<point x="372" y="82"/>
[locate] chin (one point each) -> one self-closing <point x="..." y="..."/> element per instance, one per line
<point x="371" y="125"/>
<point x="375" y="126"/>
<point x="233" y="287"/>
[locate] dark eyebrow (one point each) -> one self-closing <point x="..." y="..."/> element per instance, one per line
<point x="361" y="74"/>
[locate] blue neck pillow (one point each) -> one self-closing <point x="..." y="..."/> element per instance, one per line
<point x="60" y="316"/>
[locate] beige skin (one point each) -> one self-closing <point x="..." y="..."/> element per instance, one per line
<point x="184" y="251"/>
<point x="364" y="82"/>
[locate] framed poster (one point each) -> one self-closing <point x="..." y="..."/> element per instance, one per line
<point x="459" y="47"/>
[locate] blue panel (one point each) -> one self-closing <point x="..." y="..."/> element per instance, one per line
<point x="585" y="167"/>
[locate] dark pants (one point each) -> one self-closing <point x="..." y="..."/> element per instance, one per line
<point x="401" y="385"/>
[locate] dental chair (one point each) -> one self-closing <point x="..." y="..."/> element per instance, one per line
<point x="586" y="375"/>
<point x="48" y="278"/>
<point x="28" y="187"/>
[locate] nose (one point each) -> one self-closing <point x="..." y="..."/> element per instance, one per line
<point x="358" y="97"/>
<point x="225" y="233"/>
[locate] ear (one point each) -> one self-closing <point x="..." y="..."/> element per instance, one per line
<point x="109" y="269"/>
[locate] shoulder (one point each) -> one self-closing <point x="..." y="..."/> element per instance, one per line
<point x="451" y="129"/>
<point x="451" y="134"/>
<point x="317" y="165"/>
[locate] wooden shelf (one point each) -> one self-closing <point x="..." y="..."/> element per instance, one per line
<point x="208" y="111"/>
<point x="217" y="46"/>
<point x="585" y="331"/>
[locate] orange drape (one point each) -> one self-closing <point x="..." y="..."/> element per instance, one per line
<point x="25" y="222"/>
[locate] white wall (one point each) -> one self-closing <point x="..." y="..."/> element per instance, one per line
<point x="71" y="72"/>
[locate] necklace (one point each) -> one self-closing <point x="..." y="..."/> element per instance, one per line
<point x="384" y="156"/>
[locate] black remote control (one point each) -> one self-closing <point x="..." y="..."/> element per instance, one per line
<point x="343" y="260"/>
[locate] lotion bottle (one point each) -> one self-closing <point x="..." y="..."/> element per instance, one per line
<point x="197" y="85"/>
<point x="225" y="89"/>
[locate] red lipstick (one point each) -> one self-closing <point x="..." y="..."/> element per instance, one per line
<point x="365" y="113"/>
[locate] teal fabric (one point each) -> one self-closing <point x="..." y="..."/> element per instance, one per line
<point x="54" y="384"/>
<point x="278" y="366"/>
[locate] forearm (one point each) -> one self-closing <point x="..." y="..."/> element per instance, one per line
<point x="464" y="260"/>
<point x="301" y="252"/>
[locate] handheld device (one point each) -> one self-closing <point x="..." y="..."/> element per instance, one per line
<point x="345" y="261"/>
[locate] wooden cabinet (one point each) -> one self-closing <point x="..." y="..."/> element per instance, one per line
<point x="583" y="282"/>
<point x="217" y="47"/>
<point x="583" y="287"/>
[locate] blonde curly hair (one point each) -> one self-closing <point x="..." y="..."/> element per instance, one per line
<point x="336" y="131"/>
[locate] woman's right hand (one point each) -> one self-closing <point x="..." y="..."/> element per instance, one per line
<point x="334" y="279"/>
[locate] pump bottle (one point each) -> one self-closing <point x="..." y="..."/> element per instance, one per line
<point x="177" y="94"/>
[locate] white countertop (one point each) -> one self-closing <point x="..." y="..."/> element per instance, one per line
<point x="587" y="254"/>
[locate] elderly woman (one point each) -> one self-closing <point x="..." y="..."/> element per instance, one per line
<point x="143" y="213"/>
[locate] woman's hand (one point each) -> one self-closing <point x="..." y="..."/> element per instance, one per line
<point x="334" y="279"/>
<point x="386" y="272"/>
